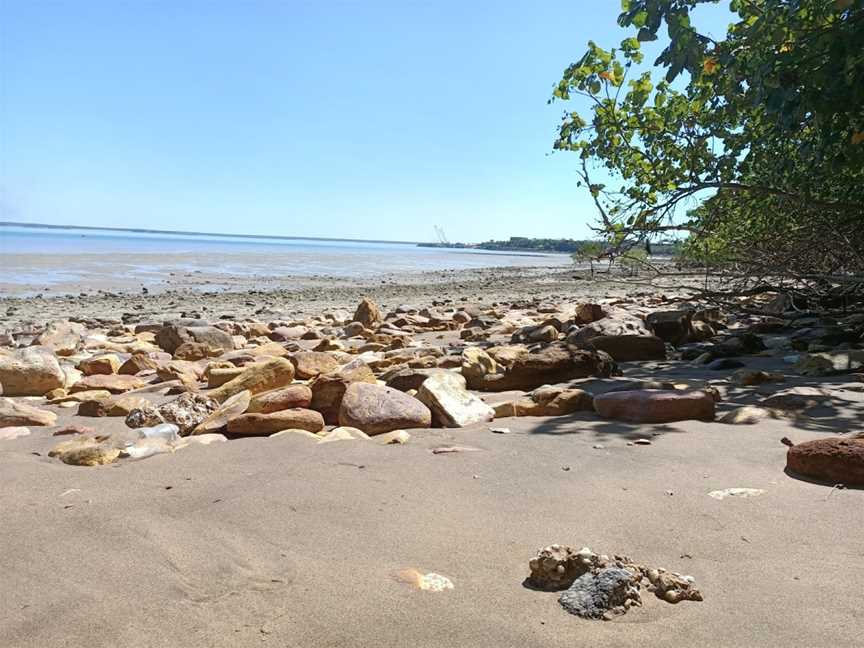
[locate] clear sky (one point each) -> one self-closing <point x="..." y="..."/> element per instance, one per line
<point x="358" y="119"/>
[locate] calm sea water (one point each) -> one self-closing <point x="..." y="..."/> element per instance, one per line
<point x="33" y="258"/>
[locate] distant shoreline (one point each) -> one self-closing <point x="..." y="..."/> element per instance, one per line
<point x="135" y="230"/>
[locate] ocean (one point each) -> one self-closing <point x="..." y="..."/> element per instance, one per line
<point x="37" y="259"/>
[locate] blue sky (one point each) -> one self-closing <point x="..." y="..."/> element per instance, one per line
<point x="356" y="119"/>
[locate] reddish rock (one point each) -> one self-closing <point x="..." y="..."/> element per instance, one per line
<point x="265" y="424"/>
<point x="104" y="364"/>
<point x="833" y="460"/>
<point x="655" y="406"/>
<point x="376" y="409"/>
<point x="554" y="364"/>
<point x="368" y="313"/>
<point x="137" y="363"/>
<point x="308" y="364"/>
<point x="329" y="389"/>
<point x="281" y="399"/>
<point x="115" y="383"/>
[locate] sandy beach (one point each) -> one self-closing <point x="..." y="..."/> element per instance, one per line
<point x="289" y="542"/>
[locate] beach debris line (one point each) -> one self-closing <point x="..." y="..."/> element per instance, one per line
<point x="379" y="372"/>
<point x="597" y="586"/>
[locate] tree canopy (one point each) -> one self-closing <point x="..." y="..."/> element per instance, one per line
<point x="729" y="141"/>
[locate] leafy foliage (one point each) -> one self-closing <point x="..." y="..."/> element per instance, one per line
<point x="766" y="124"/>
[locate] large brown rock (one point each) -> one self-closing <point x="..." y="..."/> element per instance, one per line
<point x="674" y="327"/>
<point x="14" y="413"/>
<point x="547" y="401"/>
<point x="257" y="378"/>
<point x="376" y="409"/>
<point x="281" y="399"/>
<point x="101" y="364"/>
<point x="263" y="424"/>
<point x="615" y="323"/>
<point x="114" y="383"/>
<point x="833" y="460"/>
<point x="171" y="336"/>
<point x="308" y="364"/>
<point x="554" y="364"/>
<point x="33" y="371"/>
<point x="368" y="313"/>
<point x="63" y="338"/>
<point x="137" y="363"/>
<point x="628" y="348"/>
<point x="655" y="405"/>
<point x="329" y="389"/>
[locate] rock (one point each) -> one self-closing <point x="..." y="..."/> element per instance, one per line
<point x="553" y="364"/>
<point x="287" y="333"/>
<point x="123" y="405"/>
<point x="476" y="364"/>
<point x="674" y="327"/>
<point x="587" y="313"/>
<point x="172" y="335"/>
<point x="827" y="364"/>
<point x="9" y="433"/>
<point x="672" y="587"/>
<point x="748" y="377"/>
<point x="196" y="351"/>
<point x="328" y="390"/>
<point x="82" y="396"/>
<point x="834" y="460"/>
<point x="102" y="364"/>
<point x="628" y="348"/>
<point x="232" y="407"/>
<point x="598" y="594"/>
<point x="376" y="409"/>
<point x="655" y="406"/>
<point x="114" y="383"/>
<point x="63" y="338"/>
<point x="309" y="364"/>
<point x="74" y="429"/>
<point x="368" y="314"/>
<point x="202" y="439"/>
<point x="343" y="433"/>
<point x="14" y="414"/>
<point x="265" y="424"/>
<point x="187" y="411"/>
<point x="85" y="451"/>
<point x="555" y="567"/>
<point x="32" y="371"/>
<point x="615" y="323"/>
<point x="722" y="364"/>
<point x="136" y="364"/>
<point x="547" y="401"/>
<point x="218" y="376"/>
<point x="146" y="415"/>
<point x="750" y="414"/>
<point x="281" y="399"/>
<point x="797" y="398"/>
<point x="257" y="378"/>
<point x="450" y="403"/>
<point x="407" y="379"/>
<point x="396" y="437"/>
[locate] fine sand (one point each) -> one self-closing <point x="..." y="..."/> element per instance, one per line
<point x="285" y="542"/>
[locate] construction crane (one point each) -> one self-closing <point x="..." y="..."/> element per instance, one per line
<point x="440" y="235"/>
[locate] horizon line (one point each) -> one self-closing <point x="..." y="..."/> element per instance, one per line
<point x="138" y="230"/>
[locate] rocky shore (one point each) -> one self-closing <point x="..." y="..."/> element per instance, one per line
<point x="455" y="367"/>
